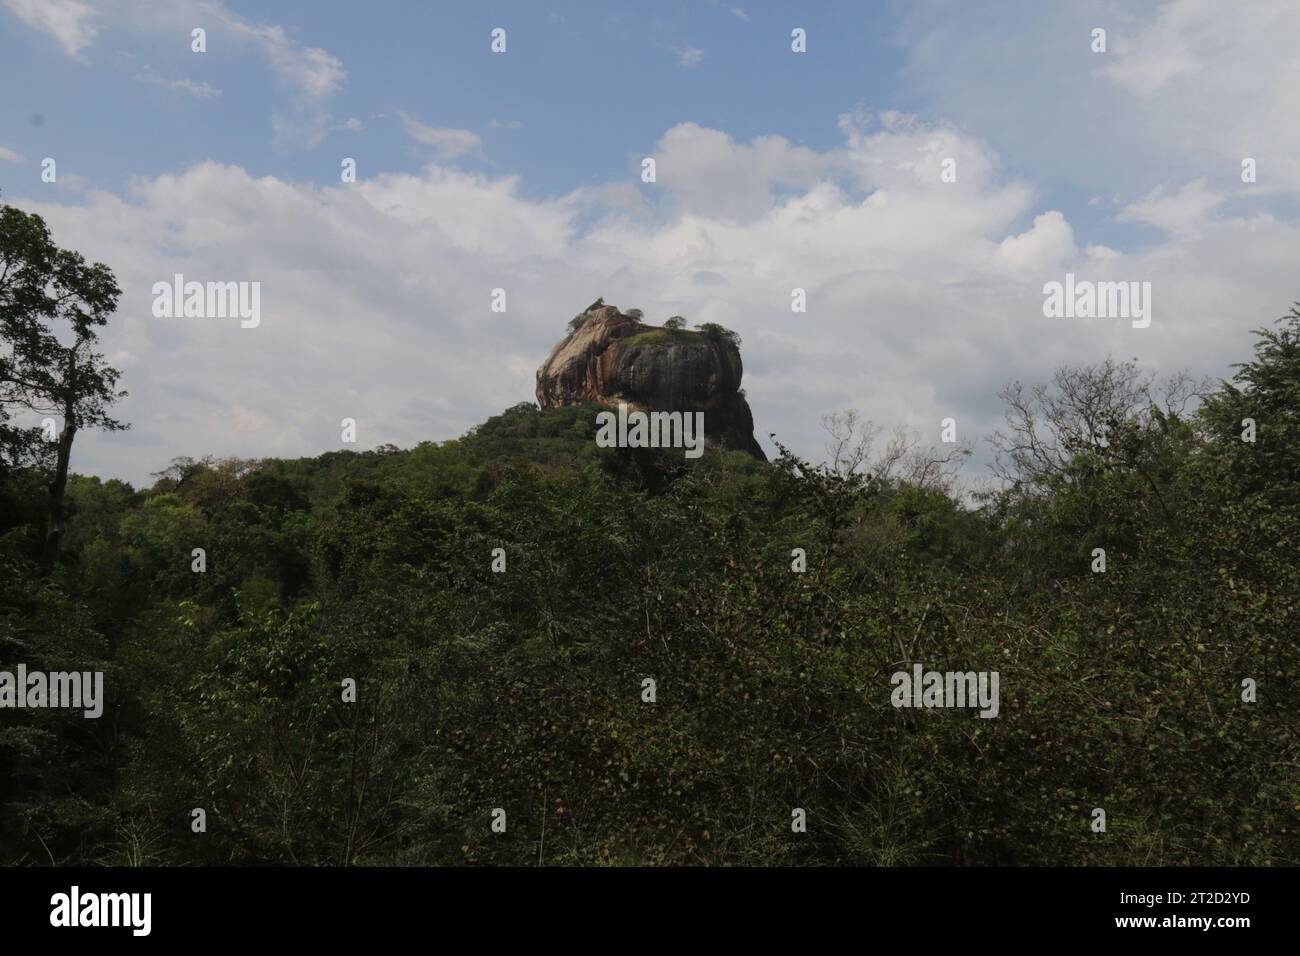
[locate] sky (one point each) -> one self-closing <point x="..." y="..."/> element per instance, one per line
<point x="775" y="170"/>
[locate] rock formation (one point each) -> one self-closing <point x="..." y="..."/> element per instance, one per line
<point x="615" y="358"/>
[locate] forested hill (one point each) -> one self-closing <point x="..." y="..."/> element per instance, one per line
<point x="624" y="657"/>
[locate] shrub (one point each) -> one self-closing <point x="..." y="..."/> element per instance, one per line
<point x="720" y="333"/>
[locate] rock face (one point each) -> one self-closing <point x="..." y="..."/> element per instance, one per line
<point x="615" y="358"/>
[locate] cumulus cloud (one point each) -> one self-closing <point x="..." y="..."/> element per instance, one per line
<point x="924" y="297"/>
<point x="706" y="171"/>
<point x="1045" y="246"/>
<point x="1181" y="211"/>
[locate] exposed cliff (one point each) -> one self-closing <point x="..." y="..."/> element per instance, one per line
<point x="615" y="358"/>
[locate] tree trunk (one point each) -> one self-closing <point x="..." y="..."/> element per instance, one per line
<point x="54" y="525"/>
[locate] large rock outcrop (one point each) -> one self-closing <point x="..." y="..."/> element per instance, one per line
<point x="616" y="358"/>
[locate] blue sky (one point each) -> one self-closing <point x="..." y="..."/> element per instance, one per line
<point x="584" y="91"/>
<point x="620" y="72"/>
<point x="521" y="170"/>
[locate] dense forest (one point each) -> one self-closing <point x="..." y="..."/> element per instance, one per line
<point x="378" y="655"/>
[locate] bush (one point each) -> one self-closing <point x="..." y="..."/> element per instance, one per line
<point x="519" y="685"/>
<point x="719" y="333"/>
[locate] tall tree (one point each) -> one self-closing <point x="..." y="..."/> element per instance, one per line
<point x="51" y="306"/>
<point x="24" y="260"/>
<point x="1265" y="396"/>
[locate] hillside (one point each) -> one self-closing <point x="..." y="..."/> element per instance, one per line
<point x="501" y="601"/>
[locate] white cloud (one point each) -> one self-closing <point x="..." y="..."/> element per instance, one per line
<point x="923" y="297"/>
<point x="310" y="72"/>
<point x="68" y="21"/>
<point x="447" y="143"/>
<point x="1098" y="251"/>
<point x="313" y="72"/>
<point x="705" y="171"/>
<point x="312" y="75"/>
<point x="1187" y="88"/>
<point x="1196" y="67"/>
<point x="1182" y="212"/>
<point x="689" y="57"/>
<point x="740" y="14"/>
<point x="1149" y="60"/>
<point x="9" y="155"/>
<point x="1045" y="247"/>
<point x="308" y="75"/>
<point x="200" y="91"/>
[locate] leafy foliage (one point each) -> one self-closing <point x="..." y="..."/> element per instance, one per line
<point x="715" y="331"/>
<point x="45" y="290"/>
<point x="522" y="689"/>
